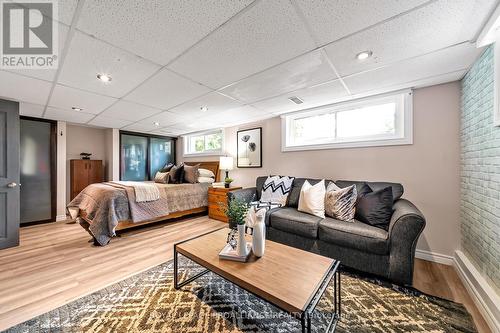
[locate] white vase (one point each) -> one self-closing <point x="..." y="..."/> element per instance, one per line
<point x="242" y="242"/>
<point x="259" y="234"/>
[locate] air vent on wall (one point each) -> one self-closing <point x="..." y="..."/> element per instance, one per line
<point x="296" y="100"/>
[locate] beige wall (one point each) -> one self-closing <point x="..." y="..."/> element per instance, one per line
<point x="429" y="168"/>
<point x="81" y="139"/>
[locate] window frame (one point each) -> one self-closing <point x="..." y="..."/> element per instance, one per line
<point x="405" y="125"/>
<point x="218" y="152"/>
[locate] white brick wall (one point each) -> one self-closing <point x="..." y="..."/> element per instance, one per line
<point x="480" y="173"/>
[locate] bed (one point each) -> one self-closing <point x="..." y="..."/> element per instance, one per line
<point x="104" y="208"/>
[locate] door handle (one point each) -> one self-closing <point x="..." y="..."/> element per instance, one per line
<point x="11" y="185"/>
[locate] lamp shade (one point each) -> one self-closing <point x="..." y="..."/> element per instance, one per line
<point x="226" y="163"/>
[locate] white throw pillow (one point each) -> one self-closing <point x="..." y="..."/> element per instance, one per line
<point x="209" y="180"/>
<point x="312" y="199"/>
<point x="276" y="189"/>
<point x="206" y="173"/>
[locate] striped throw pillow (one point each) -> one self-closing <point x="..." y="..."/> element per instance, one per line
<point x="340" y="203"/>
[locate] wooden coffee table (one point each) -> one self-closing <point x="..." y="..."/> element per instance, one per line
<point x="291" y="279"/>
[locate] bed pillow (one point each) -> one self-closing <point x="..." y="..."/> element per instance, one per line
<point x="167" y="167"/>
<point x="375" y="208"/>
<point x="191" y="174"/>
<point x="340" y="203"/>
<point x="176" y="174"/>
<point x="276" y="189"/>
<point x="312" y="199"/>
<point x="206" y="173"/>
<point x="161" y="177"/>
<point x="209" y="180"/>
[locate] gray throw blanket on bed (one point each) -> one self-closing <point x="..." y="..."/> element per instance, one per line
<point x="99" y="207"/>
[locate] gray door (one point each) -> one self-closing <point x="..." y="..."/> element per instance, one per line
<point x="9" y="174"/>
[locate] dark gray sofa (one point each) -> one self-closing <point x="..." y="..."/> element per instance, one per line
<point x="389" y="254"/>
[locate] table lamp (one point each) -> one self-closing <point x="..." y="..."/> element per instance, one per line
<point x="226" y="163"/>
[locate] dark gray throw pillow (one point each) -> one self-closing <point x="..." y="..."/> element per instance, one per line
<point x="176" y="174"/>
<point x="191" y="173"/>
<point x="375" y="208"/>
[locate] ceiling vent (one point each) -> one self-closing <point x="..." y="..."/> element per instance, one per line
<point x="296" y="100"/>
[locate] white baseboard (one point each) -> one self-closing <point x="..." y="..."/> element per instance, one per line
<point x="434" y="257"/>
<point x="61" y="218"/>
<point x="483" y="295"/>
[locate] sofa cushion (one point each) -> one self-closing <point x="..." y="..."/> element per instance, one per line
<point x="291" y="220"/>
<point x="293" y="198"/>
<point x="397" y="189"/>
<point x="355" y="234"/>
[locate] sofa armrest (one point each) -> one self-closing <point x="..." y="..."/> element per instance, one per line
<point x="247" y="194"/>
<point x="407" y="223"/>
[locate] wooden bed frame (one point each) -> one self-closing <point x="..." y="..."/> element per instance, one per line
<point x="212" y="166"/>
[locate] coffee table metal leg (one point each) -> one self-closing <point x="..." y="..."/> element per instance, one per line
<point x="178" y="285"/>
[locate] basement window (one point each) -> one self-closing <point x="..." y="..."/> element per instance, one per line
<point x="374" y="121"/>
<point x="204" y="143"/>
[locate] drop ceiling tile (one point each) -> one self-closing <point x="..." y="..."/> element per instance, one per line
<point x="66" y="97"/>
<point x="433" y="27"/>
<point x="22" y="88"/>
<point x="166" y="89"/>
<point x="453" y="59"/>
<point x="108" y="122"/>
<point x="165" y="119"/>
<point x="265" y="35"/>
<point x="214" y="101"/>
<point x="46" y="74"/>
<point x="129" y="111"/>
<point x="165" y="132"/>
<point x="67" y="115"/>
<point x="30" y="110"/>
<point x="66" y="10"/>
<point x="322" y="94"/>
<point x="172" y="26"/>
<point x="243" y="114"/>
<point x="88" y="56"/>
<point x="140" y="127"/>
<point x="301" y="72"/>
<point x="331" y="20"/>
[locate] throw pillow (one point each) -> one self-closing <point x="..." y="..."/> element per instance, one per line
<point x="206" y="173"/>
<point x="167" y="167"/>
<point x="161" y="177"/>
<point x="209" y="180"/>
<point x="312" y="199"/>
<point x="276" y="189"/>
<point x="340" y="203"/>
<point x="176" y="174"/>
<point x="375" y="208"/>
<point x="191" y="173"/>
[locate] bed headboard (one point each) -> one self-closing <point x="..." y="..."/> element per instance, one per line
<point x="212" y="166"/>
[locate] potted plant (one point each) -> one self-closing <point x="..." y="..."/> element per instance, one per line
<point x="236" y="212"/>
<point x="227" y="182"/>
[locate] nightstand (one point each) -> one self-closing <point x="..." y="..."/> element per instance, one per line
<point x="217" y="201"/>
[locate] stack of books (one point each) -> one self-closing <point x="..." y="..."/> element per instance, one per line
<point x="218" y="184"/>
<point x="228" y="253"/>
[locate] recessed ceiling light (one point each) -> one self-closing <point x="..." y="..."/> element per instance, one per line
<point x="74" y="108"/>
<point x="296" y="100"/>
<point x="204" y="108"/>
<point x="364" y="55"/>
<point x="157" y="124"/>
<point x="104" y="77"/>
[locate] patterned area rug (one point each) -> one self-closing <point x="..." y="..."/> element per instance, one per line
<point x="148" y="302"/>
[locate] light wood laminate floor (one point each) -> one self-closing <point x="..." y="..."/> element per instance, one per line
<point x="55" y="264"/>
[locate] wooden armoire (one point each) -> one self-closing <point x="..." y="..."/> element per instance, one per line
<point x="84" y="173"/>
